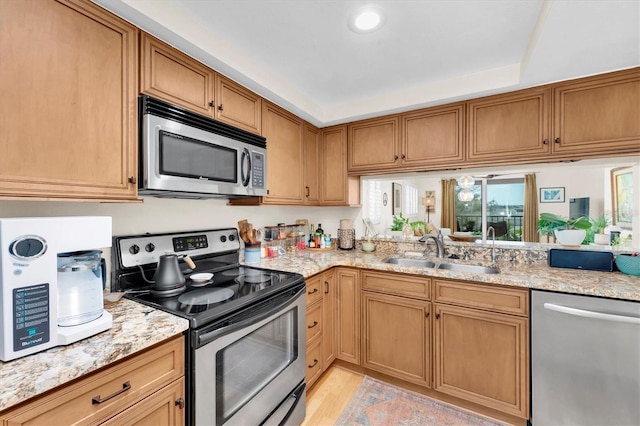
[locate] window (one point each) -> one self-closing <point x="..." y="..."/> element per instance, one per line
<point x="410" y="201"/>
<point x="374" y="201"/>
<point x="498" y="203"/>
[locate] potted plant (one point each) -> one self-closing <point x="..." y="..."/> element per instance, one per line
<point x="398" y="224"/>
<point x="597" y="226"/>
<point x="569" y="232"/>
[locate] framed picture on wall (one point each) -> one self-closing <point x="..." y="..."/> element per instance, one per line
<point x="397" y="198"/>
<point x="552" y="195"/>
<point x="622" y="196"/>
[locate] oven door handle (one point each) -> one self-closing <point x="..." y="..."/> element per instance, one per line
<point x="207" y="337"/>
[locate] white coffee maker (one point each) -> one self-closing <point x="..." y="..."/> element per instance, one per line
<point x="51" y="282"/>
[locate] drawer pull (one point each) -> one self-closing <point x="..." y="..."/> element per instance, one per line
<point x="180" y="403"/>
<point x="125" y="387"/>
<point x="315" y="290"/>
<point x="313" y="325"/>
<point x="315" y="362"/>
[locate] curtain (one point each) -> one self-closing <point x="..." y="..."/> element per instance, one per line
<point x="449" y="204"/>
<point x="530" y="219"/>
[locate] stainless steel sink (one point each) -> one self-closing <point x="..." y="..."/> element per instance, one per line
<point x="418" y="263"/>
<point x="459" y="267"/>
<point x="477" y="269"/>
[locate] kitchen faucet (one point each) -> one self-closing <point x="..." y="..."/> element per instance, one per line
<point x="439" y="239"/>
<point x="493" y="247"/>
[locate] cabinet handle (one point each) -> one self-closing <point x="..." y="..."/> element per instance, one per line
<point x="426" y="314"/>
<point x="132" y="179"/>
<point x="313" y="325"/>
<point x="395" y="157"/>
<point x="326" y="287"/>
<point x="315" y="290"/>
<point x="125" y="387"/>
<point x="404" y="156"/>
<point x="315" y="362"/>
<point x="557" y="140"/>
<point x="212" y="104"/>
<point x="180" y="402"/>
<point x="307" y="189"/>
<point x="220" y="107"/>
<point x="438" y="316"/>
<point x="545" y="142"/>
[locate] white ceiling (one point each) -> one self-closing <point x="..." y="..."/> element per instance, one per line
<point x="301" y="55"/>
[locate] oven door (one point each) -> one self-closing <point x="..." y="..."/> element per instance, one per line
<point x="250" y="368"/>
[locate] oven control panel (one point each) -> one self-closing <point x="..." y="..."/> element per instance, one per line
<point x="147" y="249"/>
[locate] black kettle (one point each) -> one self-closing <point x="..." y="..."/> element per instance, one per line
<point x="168" y="279"/>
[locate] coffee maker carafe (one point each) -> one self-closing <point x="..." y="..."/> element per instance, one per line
<point x="51" y="282"/>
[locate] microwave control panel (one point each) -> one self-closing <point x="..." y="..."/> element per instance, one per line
<point x="257" y="169"/>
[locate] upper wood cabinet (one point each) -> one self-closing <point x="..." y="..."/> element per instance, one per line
<point x="432" y="137"/>
<point x="509" y="127"/>
<point x="374" y="144"/>
<point x="336" y="187"/>
<point x="68" y="66"/>
<point x="598" y="115"/>
<point x="175" y="77"/>
<point x="285" y="161"/>
<point x="312" y="155"/>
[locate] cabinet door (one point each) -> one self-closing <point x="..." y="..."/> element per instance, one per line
<point x="328" y="315"/>
<point x="283" y="131"/>
<point x="598" y="115"/>
<point x="374" y="144"/>
<point x="311" y="165"/>
<point x="509" y="127"/>
<point x="169" y="74"/>
<point x="237" y="105"/>
<point x="348" y="315"/>
<point x="336" y="187"/>
<point x="163" y="408"/>
<point x="482" y="357"/>
<point x="433" y="137"/>
<point x="68" y="105"/>
<point x="396" y="337"/>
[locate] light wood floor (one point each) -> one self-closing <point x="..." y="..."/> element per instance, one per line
<point x="330" y="395"/>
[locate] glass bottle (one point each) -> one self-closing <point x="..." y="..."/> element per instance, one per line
<point x="312" y="243"/>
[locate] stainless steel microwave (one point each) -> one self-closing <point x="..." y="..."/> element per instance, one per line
<point x="187" y="155"/>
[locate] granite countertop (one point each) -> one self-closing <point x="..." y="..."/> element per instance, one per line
<point x="135" y="327"/>
<point x="534" y="275"/>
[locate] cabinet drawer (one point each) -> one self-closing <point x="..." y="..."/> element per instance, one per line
<point x="314" y="289"/>
<point x="314" y="321"/>
<point x="119" y="386"/>
<point x="314" y="362"/>
<point x="483" y="296"/>
<point x="400" y="285"/>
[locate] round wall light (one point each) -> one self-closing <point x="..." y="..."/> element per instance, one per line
<point x="366" y="20"/>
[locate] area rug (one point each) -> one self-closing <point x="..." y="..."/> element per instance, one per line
<point x="376" y="403"/>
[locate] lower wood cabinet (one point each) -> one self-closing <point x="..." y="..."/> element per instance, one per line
<point x="396" y="336"/>
<point x="147" y="388"/>
<point x="320" y="324"/>
<point x="348" y="315"/>
<point x="481" y="354"/>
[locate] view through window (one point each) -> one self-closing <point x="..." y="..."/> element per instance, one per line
<point x="500" y="204"/>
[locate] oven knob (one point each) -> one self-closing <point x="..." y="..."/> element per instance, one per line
<point x="232" y="237"/>
<point x="149" y="247"/>
<point x="134" y="249"/>
<point x="223" y="238"/>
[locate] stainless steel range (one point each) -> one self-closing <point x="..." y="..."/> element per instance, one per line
<point x="245" y="351"/>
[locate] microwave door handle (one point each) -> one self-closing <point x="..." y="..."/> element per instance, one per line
<point x="245" y="177"/>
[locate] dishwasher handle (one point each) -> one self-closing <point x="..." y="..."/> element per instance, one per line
<point x="592" y="314"/>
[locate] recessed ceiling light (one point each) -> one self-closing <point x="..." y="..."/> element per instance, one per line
<point x="366" y="20"/>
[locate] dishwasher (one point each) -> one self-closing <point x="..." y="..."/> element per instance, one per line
<point x="585" y="360"/>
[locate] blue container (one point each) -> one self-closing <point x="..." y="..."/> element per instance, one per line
<point x="252" y="255"/>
